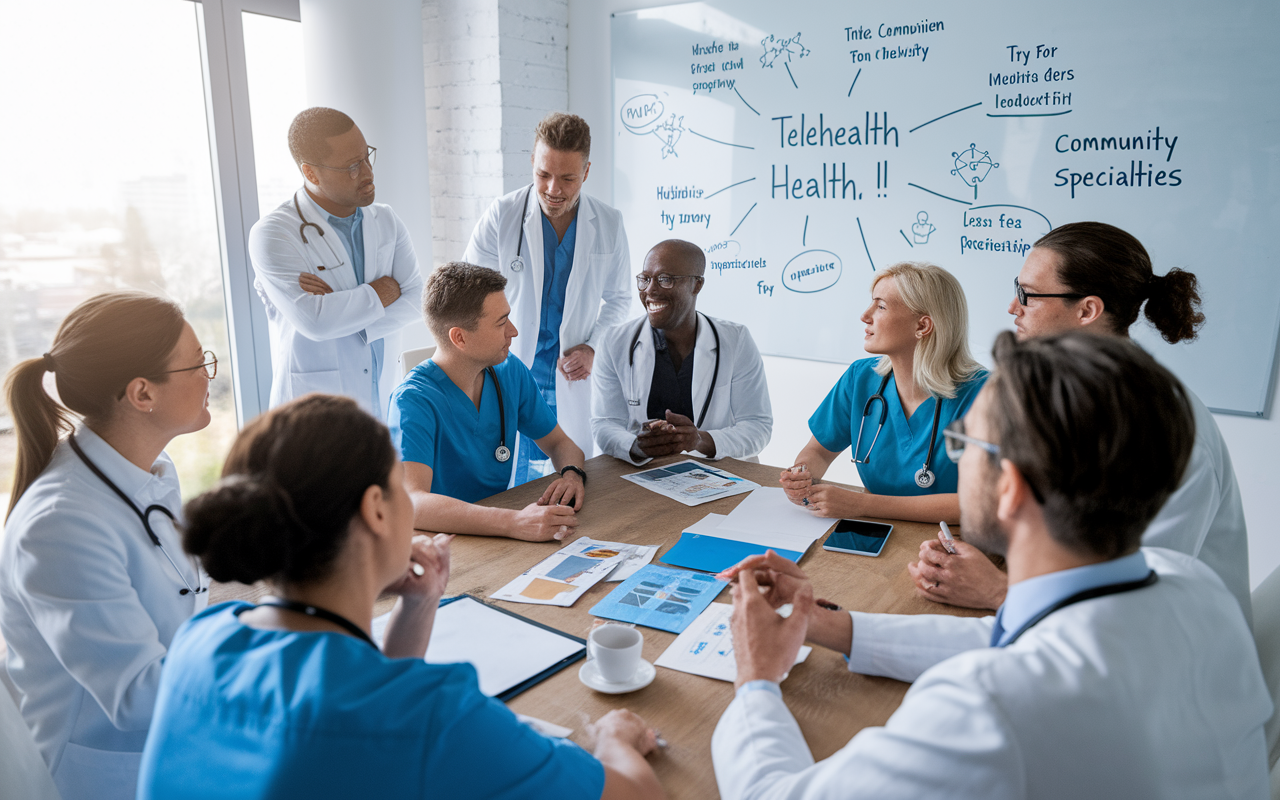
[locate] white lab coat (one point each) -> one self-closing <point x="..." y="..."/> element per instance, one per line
<point x="739" y="419"/>
<point x="597" y="296"/>
<point x="88" y="606"/>
<point x="1205" y="516"/>
<point x="321" y="343"/>
<point x="1154" y="693"/>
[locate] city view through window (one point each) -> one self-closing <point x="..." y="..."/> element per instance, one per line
<point x="108" y="185"/>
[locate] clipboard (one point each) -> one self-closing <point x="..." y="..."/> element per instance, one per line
<point x="553" y="649"/>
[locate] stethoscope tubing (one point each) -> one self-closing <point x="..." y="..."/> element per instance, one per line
<point x="517" y="263"/>
<point x="924" y="476"/>
<point x="715" y="373"/>
<point x="302" y="231"/>
<point x="503" y="453"/>
<point x="143" y="516"/>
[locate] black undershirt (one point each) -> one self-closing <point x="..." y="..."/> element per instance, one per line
<point x="671" y="388"/>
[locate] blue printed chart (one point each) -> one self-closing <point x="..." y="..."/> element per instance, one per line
<point x="804" y="146"/>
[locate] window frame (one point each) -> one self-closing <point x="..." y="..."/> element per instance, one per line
<point x="235" y="186"/>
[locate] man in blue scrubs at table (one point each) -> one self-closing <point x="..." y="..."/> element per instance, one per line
<point x="455" y="418"/>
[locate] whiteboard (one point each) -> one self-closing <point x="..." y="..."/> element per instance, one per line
<point x="805" y="145"/>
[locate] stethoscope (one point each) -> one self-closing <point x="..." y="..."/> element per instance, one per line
<point x="517" y="263"/>
<point x="144" y="516"/>
<point x="634" y="399"/>
<point x="924" y="475"/>
<point x="503" y="453"/>
<point x="302" y="231"/>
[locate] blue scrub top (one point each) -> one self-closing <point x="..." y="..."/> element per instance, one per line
<point x="904" y="443"/>
<point x="243" y="712"/>
<point x="433" y="422"/>
<point x="351" y="230"/>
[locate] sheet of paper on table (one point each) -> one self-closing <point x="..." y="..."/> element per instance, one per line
<point x="637" y="555"/>
<point x="691" y="483"/>
<point x="706" y="647"/>
<point x="764" y="520"/>
<point x="564" y="576"/>
<point x="660" y="597"/>
<point x="505" y="649"/>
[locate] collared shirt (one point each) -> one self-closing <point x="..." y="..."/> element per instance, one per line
<point x="245" y="712"/>
<point x="671" y="388"/>
<point x="88" y="606"/>
<point x="351" y="229"/>
<point x="433" y="422"/>
<point x="1028" y="598"/>
<point x="903" y="445"/>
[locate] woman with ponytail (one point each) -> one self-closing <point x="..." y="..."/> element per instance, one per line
<point x="292" y="697"/>
<point x="1096" y="277"/>
<point x="93" y="580"/>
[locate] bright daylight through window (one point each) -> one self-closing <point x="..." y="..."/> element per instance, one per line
<point x="108" y="186"/>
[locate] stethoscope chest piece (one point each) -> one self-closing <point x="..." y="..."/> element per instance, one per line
<point x="517" y="264"/>
<point x="924" y="477"/>
<point x="503" y="454"/>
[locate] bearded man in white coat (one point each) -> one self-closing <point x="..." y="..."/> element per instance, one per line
<point x="675" y="380"/>
<point x="336" y="271"/>
<point x="1109" y="670"/>
<point x="567" y="265"/>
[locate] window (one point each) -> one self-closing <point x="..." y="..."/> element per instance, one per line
<point x="109" y="184"/>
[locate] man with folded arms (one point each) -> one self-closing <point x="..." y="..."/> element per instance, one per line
<point x="675" y="380"/>
<point x="455" y="417"/>
<point x="1109" y="670"/>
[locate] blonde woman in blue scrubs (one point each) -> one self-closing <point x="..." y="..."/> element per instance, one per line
<point x="892" y="410"/>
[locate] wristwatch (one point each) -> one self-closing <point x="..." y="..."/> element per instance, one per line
<point x="578" y="470"/>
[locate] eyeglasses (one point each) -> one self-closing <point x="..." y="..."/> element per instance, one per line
<point x="354" y="169"/>
<point x="956" y="440"/>
<point x="1023" y="294"/>
<point x="210" y="367"/>
<point x="664" y="280"/>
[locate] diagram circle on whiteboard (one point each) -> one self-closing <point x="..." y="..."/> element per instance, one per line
<point x="812" y="271"/>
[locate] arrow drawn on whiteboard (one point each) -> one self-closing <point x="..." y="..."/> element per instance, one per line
<point x="943" y="196"/>
<point x="855" y="83"/>
<point x="744" y="100"/>
<point x="935" y="119"/>
<point x="908" y="241"/>
<point x="717" y="141"/>
<point x="727" y="188"/>
<point x="744" y="219"/>
<point x="792" y="77"/>
<point x="804" y="237"/>
<point x="864" y="244"/>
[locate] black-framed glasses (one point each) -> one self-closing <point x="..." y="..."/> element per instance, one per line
<point x="210" y="367"/>
<point x="956" y="440"/>
<point x="354" y="169"/>
<point x="1024" y="295"/>
<point x="663" y="279"/>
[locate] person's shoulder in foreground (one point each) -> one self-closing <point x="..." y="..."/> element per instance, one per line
<point x="328" y="715"/>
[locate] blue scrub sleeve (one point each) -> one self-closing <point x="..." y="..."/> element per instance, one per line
<point x="414" y="425"/>
<point x="831" y="424"/>
<point x="489" y="753"/>
<point x="536" y="419"/>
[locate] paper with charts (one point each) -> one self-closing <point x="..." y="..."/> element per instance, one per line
<point x="660" y="597"/>
<point x="691" y="483"/>
<point x="706" y="647"/>
<point x="563" y="577"/>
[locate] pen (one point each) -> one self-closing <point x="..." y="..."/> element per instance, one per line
<point x="827" y="604"/>
<point x="948" y="541"/>
<point x="797" y="469"/>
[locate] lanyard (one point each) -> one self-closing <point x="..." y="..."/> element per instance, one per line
<point x="321" y="613"/>
<point x="1080" y="597"/>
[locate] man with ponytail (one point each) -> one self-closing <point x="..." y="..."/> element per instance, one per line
<point x="1095" y="277"/>
<point x="93" y="581"/>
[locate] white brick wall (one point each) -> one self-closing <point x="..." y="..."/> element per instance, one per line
<point x="493" y="69"/>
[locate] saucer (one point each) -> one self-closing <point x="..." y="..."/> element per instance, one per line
<point x="644" y="676"/>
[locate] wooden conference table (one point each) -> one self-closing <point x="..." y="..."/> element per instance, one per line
<point x="830" y="703"/>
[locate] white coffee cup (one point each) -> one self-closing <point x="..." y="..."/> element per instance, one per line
<point x="615" y="649"/>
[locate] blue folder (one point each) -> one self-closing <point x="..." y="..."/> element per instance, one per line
<point x="710" y="554"/>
